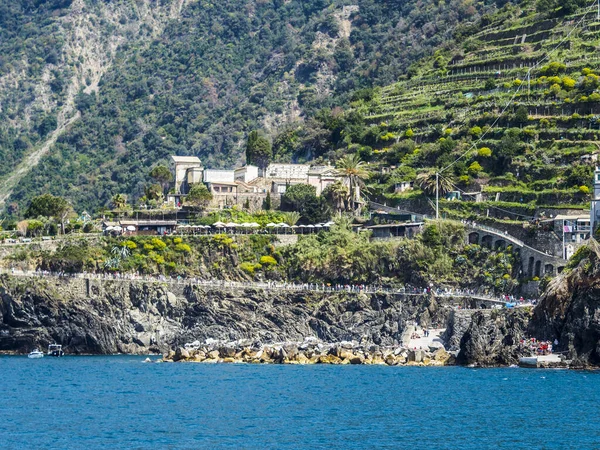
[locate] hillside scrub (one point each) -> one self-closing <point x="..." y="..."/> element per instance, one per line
<point x="439" y="255"/>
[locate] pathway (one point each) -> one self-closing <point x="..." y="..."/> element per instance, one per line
<point x="268" y="285"/>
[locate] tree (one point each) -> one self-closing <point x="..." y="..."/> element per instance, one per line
<point x="154" y="192"/>
<point x="258" y="150"/>
<point x="336" y="195"/>
<point x="303" y="199"/>
<point x="119" y="201"/>
<point x="47" y="205"/>
<point x="354" y="172"/>
<point x="521" y="115"/>
<point x="267" y="203"/>
<point x="162" y="175"/>
<point x="427" y="182"/>
<point x="490" y="84"/>
<point x="199" y="196"/>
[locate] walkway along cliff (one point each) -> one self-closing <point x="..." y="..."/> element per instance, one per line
<point x="108" y="316"/>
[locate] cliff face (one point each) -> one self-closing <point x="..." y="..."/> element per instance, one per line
<point x="135" y="317"/>
<point x="492" y="337"/>
<point x="569" y="311"/>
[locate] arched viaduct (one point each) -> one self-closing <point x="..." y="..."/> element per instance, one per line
<point x="534" y="263"/>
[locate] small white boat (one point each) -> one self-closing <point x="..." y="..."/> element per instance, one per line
<point x="35" y="354"/>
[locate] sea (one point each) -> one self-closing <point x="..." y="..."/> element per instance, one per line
<point x="120" y="402"/>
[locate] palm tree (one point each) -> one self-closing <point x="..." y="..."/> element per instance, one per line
<point x="292" y="217"/>
<point x="119" y="201"/>
<point x="427" y="182"/>
<point x="352" y="168"/>
<point x="337" y="194"/>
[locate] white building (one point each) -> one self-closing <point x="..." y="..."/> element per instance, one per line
<point x="218" y="176"/>
<point x="246" y="174"/>
<point x="595" y="209"/>
<point x="186" y="171"/>
<point x="575" y="232"/>
<point x="290" y="172"/>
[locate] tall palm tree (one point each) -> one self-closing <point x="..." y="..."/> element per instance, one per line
<point x="353" y="169"/>
<point x="119" y="201"/>
<point x="427" y="182"/>
<point x="337" y="194"/>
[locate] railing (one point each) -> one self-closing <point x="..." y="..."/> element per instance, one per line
<point x="264" y="285"/>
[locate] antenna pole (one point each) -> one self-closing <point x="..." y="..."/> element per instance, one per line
<point x="437" y="195"/>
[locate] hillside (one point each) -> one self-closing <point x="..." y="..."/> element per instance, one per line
<point x="512" y="109"/>
<point x="187" y="77"/>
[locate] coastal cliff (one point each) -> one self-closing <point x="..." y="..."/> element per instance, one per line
<point x="109" y="316"/>
<point x="569" y="310"/>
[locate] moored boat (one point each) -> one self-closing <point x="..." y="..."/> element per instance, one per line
<point x="55" y="350"/>
<point x="35" y="354"/>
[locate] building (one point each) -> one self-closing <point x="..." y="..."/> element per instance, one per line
<point x="322" y="176"/>
<point x="141" y="227"/>
<point x="187" y="170"/>
<point x="575" y="232"/>
<point x="246" y="174"/>
<point x="403" y="186"/>
<point x="290" y="172"/>
<point x="218" y="176"/>
<point x="595" y="209"/>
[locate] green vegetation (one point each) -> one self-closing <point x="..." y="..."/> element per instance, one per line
<point x="341" y="256"/>
<point x="203" y="84"/>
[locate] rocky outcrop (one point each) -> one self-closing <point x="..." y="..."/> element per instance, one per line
<point x="493" y="337"/>
<point x="569" y="311"/>
<point x="105" y="317"/>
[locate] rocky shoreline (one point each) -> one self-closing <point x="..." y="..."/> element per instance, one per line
<point x="256" y="326"/>
<point x="310" y="351"/>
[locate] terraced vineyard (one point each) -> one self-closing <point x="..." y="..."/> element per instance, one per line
<point x="521" y="93"/>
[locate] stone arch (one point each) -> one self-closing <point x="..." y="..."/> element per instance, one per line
<point x="474" y="237"/>
<point x="549" y="269"/>
<point x="538" y="268"/>
<point x="530" y="266"/>
<point x="500" y="244"/>
<point x="487" y="241"/>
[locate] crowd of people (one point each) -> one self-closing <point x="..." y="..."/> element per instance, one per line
<point x="538" y="347"/>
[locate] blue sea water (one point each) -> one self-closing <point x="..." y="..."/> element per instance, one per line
<point x="119" y="402"/>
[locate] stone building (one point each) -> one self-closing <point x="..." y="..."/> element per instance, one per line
<point x="187" y="170"/>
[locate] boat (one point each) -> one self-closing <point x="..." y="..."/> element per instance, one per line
<point x="35" y="354"/>
<point x="55" y="350"/>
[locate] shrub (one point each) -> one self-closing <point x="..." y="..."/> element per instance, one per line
<point x="475" y="168"/>
<point x="584" y="189"/>
<point x="250" y="268"/>
<point x="177" y="240"/>
<point x="158" y="244"/>
<point x="129" y="244"/>
<point x="268" y="261"/>
<point x="183" y="248"/>
<point x="484" y="152"/>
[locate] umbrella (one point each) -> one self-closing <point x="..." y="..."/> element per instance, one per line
<point x="310" y="226"/>
<point x="109" y="228"/>
<point x="130" y="228"/>
<point x="271" y="225"/>
<point x="302" y="226"/>
<point x="329" y="224"/>
<point x="218" y="224"/>
<point x="283" y="225"/>
<point x="231" y="225"/>
<point x="118" y="229"/>
<point x="254" y="225"/>
<point x="318" y="225"/>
